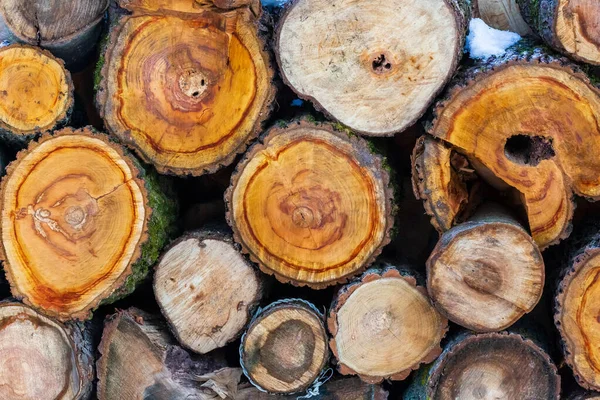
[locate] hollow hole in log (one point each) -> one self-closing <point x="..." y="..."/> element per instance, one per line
<point x="380" y="63"/>
<point x="528" y="150"/>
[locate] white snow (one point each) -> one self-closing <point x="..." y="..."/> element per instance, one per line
<point x="273" y="3"/>
<point x="484" y="42"/>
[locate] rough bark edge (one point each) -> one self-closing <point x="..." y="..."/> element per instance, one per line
<point x="81" y="342"/>
<point x="265" y="110"/>
<point x="261" y="313"/>
<point x="451" y="236"/>
<point x="136" y="259"/>
<point x="524" y="53"/>
<point x="361" y="147"/>
<point x="461" y="10"/>
<point x="576" y="263"/>
<point x="17" y="137"/>
<point x="200" y="236"/>
<point x="463" y="340"/>
<point x="344" y="294"/>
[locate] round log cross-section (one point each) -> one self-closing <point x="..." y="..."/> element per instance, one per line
<point x="373" y="66"/>
<point x="384" y="326"/>
<point x="310" y="204"/>
<point x="36" y="92"/>
<point x="74" y="217"/>
<point x="40" y="359"/>
<point x="186" y="89"/>
<point x="285" y="347"/>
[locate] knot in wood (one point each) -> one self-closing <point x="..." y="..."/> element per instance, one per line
<point x="193" y="84"/>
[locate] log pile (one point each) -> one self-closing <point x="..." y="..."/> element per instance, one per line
<point x="211" y="199"/>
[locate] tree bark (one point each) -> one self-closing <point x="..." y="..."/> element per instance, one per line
<point x="339" y="389"/>
<point x="488" y="366"/>
<point x="487" y="273"/>
<point x="69" y="30"/>
<point x="206" y="290"/>
<point x="501" y="14"/>
<point x="569" y="26"/>
<point x="81" y="223"/>
<point x="139" y="360"/>
<point x="285" y="349"/>
<point x="373" y="66"/>
<point x="310" y="204"/>
<point x="545" y="149"/>
<point x="169" y="75"/>
<point x="384" y="326"/>
<point x="584" y="396"/>
<point x="36" y="95"/>
<point x="576" y="310"/>
<point x="43" y="359"/>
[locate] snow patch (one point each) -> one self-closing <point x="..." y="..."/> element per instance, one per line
<point x="484" y="42"/>
<point x="273" y="3"/>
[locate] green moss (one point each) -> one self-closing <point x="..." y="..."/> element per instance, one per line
<point x="338" y="126"/>
<point x="98" y="72"/>
<point x="161" y="229"/>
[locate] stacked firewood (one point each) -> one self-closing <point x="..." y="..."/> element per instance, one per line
<point x="223" y="199"/>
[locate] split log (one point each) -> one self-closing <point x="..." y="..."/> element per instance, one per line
<point x="501" y="14"/>
<point x="310" y="204"/>
<point x="69" y="30"/>
<point x="488" y="366"/>
<point x="487" y="273"/>
<point x="527" y="121"/>
<point x="577" y="311"/>
<point x="438" y="180"/>
<point x="171" y="72"/>
<point x="206" y="290"/>
<point x="339" y="389"/>
<point x="569" y="26"/>
<point x="285" y="349"/>
<point x="140" y="361"/>
<point x="81" y="223"/>
<point x="36" y="95"/>
<point x="384" y="326"/>
<point x="41" y="358"/>
<point x="373" y="66"/>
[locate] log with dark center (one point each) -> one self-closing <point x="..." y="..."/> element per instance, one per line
<point x="184" y="85"/>
<point x="527" y="121"/>
<point x="384" y="326"/>
<point x="488" y="367"/>
<point x="206" y="290"/>
<point x="285" y="347"/>
<point x="576" y="314"/>
<point x="139" y="360"/>
<point x="373" y="66"/>
<point x="569" y="26"/>
<point x="36" y="92"/>
<point x="312" y="205"/>
<point x="501" y="14"/>
<point x="42" y="359"/>
<point x="487" y="273"/>
<point x="68" y="29"/>
<point x="76" y="217"/>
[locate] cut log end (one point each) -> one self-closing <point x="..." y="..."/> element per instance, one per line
<point x="376" y="63"/>
<point x="40" y="359"/>
<point x="310" y="204"/>
<point x="169" y="80"/>
<point x="206" y="290"/>
<point x="501" y="14"/>
<point x="61" y="199"/>
<point x="285" y="348"/>
<point x="485" y="274"/>
<point x="577" y="317"/>
<point x="37" y="92"/>
<point x="533" y="147"/>
<point x="493" y="366"/>
<point x="384" y="327"/>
